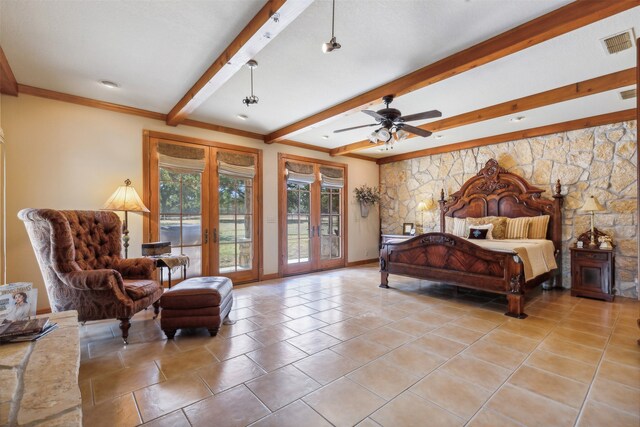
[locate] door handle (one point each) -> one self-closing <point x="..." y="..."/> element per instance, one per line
<point x="215" y="235"/>
<point x="206" y="236"/>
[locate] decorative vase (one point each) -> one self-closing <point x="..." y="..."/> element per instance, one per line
<point x="364" y="209"/>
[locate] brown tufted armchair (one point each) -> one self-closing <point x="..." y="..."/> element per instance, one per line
<point x="79" y="256"/>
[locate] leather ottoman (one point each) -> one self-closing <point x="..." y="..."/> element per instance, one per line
<point x="199" y="302"/>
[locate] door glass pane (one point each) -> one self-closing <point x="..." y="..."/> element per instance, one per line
<point x="235" y="226"/>
<point x="330" y="223"/>
<point x="194" y="269"/>
<point x="324" y="203"/>
<point x="298" y="222"/>
<point x="191" y="230"/>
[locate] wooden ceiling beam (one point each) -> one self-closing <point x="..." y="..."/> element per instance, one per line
<point x="8" y="83"/>
<point x="553" y="24"/>
<point x="603" y="119"/>
<point x="244" y="47"/>
<point x="565" y="93"/>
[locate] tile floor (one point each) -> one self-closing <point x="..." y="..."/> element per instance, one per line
<point x="334" y="349"/>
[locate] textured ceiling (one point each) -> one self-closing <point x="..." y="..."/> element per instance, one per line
<point x="157" y="50"/>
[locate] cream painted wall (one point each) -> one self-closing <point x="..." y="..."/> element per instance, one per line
<point x="66" y="156"/>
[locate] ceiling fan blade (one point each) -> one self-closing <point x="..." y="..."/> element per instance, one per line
<point x="415" y="130"/>
<point x="374" y="115"/>
<point x="355" y="127"/>
<point x="421" y="116"/>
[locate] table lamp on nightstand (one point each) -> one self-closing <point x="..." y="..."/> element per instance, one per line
<point x="592" y="205"/>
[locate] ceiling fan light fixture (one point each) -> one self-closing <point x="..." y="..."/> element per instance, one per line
<point x="384" y="134"/>
<point x="401" y="135"/>
<point x="332" y="44"/>
<point x="373" y="138"/>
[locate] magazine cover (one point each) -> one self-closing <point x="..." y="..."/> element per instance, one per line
<point x="18" y="301"/>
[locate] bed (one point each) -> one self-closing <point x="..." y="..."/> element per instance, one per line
<point x="458" y="261"/>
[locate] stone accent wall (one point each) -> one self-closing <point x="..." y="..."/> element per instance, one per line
<point x="599" y="161"/>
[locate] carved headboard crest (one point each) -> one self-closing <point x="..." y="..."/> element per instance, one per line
<point x="491" y="174"/>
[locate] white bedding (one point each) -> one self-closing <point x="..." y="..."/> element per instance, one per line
<point x="536" y="254"/>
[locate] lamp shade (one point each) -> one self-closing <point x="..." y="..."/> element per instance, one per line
<point x="422" y="206"/>
<point x="592" y="205"/>
<point x="125" y="198"/>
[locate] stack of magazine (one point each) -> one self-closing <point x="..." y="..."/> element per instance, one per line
<point x="25" y="330"/>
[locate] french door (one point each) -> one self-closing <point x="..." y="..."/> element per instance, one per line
<point x="204" y="200"/>
<point x="312" y="214"/>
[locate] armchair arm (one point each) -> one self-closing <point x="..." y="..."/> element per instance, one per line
<point x="136" y="268"/>
<point x="93" y="280"/>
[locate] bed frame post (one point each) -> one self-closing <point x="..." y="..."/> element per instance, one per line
<point x="515" y="295"/>
<point x="558" y="200"/>
<point x="441" y="202"/>
<point x="384" y="275"/>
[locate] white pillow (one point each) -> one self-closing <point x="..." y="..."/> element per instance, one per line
<point x="460" y="227"/>
<point x="482" y="227"/>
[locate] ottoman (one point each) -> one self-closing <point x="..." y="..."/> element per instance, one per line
<point x="195" y="303"/>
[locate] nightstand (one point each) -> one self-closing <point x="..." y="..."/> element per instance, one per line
<point x="592" y="272"/>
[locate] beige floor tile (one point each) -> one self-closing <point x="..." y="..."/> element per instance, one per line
<point x="432" y="319"/>
<point x="327" y="366"/>
<point x="160" y="399"/>
<point x="237" y="407"/>
<point x="193" y="338"/>
<point x="616" y="395"/>
<point x="125" y="381"/>
<point x="185" y="362"/>
<point x="314" y="341"/>
<point x="242" y="313"/>
<point x="439" y="345"/>
<point x="412" y="327"/>
<point x="121" y="411"/>
<point x="626" y="342"/>
<point x="414" y="360"/>
<point x="409" y="410"/>
<point x="487" y="418"/>
<point x="331" y="316"/>
<point x="174" y="419"/>
<point x="367" y="422"/>
<point x="476" y="371"/>
<point x="290" y="383"/>
<point x="571" y="350"/>
<point x="343" y="330"/>
<point x="321" y="304"/>
<point x="531" y="409"/>
<point x="343" y="402"/>
<point x="293" y="301"/>
<point x="512" y="341"/>
<point x="452" y="393"/>
<point x="519" y="327"/>
<point x="96" y="366"/>
<point x="269" y="319"/>
<point x="387" y="337"/>
<point x="623" y="374"/>
<point x="272" y="334"/>
<point x="224" y="349"/>
<point x="136" y="353"/>
<point x="296" y="414"/>
<point x="276" y="355"/>
<point x="458" y="333"/>
<point x="298" y="311"/>
<point x="560" y="365"/>
<point x="370" y="320"/>
<point x="589" y="340"/>
<point x="240" y="327"/>
<point x="590" y="328"/>
<point x="230" y="373"/>
<point x="496" y="354"/>
<point x="383" y="378"/>
<point x="475" y="324"/>
<point x="360" y="350"/>
<point x="305" y="324"/>
<point x="553" y="386"/>
<point x="448" y="311"/>
<point x="621" y="355"/>
<point x="595" y="414"/>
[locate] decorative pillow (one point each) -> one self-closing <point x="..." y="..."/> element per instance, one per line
<point x="459" y="227"/>
<point x="499" y="225"/>
<point x="538" y="227"/>
<point x="488" y="227"/>
<point x="478" y="233"/>
<point x="448" y="225"/>
<point x="518" y="228"/>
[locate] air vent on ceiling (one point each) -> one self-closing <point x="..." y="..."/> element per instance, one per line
<point x="618" y="42"/>
<point x="628" y="94"/>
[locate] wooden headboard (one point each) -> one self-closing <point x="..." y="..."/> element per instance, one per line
<point x="496" y="192"/>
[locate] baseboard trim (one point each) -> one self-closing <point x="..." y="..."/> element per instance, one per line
<point x="362" y="262"/>
<point x="43" y="311"/>
<point x="270" y="276"/>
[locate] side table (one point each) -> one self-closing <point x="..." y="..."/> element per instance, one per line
<point x="592" y="272"/>
<point x="170" y="262"/>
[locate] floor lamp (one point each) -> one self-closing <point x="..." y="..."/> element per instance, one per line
<point x="125" y="199"/>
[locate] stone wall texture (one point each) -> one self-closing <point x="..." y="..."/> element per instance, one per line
<point x="599" y="161"/>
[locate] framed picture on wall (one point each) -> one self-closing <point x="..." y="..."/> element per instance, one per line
<point x="406" y="228"/>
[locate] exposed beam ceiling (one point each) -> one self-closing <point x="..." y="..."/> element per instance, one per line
<point x="8" y="83"/>
<point x="553" y="24"/>
<point x="565" y="93"/>
<point x="588" y="122"/>
<point x="253" y="38"/>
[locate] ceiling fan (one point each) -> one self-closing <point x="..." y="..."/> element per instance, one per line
<point x="391" y="121"/>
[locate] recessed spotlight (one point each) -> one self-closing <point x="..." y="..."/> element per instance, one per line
<point x="109" y="84"/>
<point x="242" y="117"/>
<point x="439" y="136"/>
<point x="516" y="119"/>
<point x="325" y="136"/>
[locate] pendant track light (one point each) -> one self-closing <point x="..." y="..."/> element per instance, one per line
<point x="250" y="100"/>
<point x="332" y="44"/>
